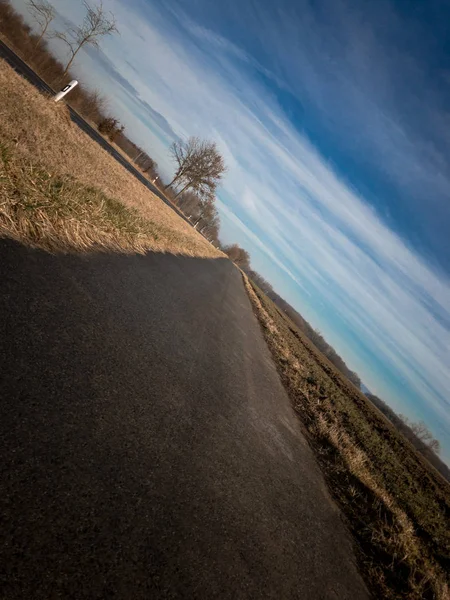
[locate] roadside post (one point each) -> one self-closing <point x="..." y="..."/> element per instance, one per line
<point x="66" y="89"/>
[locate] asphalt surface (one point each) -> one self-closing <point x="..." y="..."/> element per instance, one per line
<point x="23" y="69"/>
<point x="148" y="448"/>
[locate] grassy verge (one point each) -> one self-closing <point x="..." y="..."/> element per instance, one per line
<point x="396" y="506"/>
<point x="60" y="190"/>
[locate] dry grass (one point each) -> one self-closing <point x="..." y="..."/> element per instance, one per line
<point x="61" y="190"/>
<point x="396" y="505"/>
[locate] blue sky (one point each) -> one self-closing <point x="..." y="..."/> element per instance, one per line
<point x="334" y="119"/>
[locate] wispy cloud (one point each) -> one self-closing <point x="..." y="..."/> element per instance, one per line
<point x="377" y="299"/>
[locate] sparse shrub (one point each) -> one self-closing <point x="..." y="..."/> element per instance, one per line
<point x="110" y="127"/>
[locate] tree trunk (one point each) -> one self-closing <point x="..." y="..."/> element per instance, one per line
<point x="173" y="181"/>
<point x="182" y="190"/>
<point x="69" y="64"/>
<point x="36" y="46"/>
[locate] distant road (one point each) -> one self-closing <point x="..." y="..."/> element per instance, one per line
<point x="21" y="67"/>
<point x="148" y="449"/>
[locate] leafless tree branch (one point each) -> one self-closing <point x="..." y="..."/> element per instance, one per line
<point x="97" y="23"/>
<point x="43" y="13"/>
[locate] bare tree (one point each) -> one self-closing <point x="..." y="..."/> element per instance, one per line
<point x="148" y="165"/>
<point x="43" y="13"/>
<point x="206" y="212"/>
<point x="238" y="255"/>
<point x="97" y="23"/>
<point x="423" y="433"/>
<point x="200" y="166"/>
<point x="209" y="222"/>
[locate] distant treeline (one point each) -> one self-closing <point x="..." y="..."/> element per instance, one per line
<point x="408" y="429"/>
